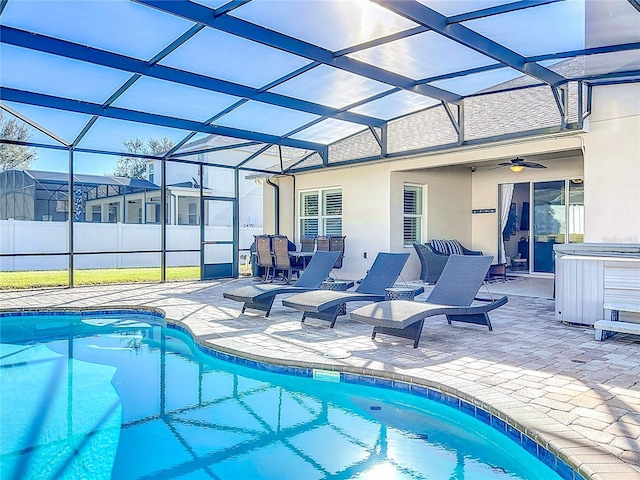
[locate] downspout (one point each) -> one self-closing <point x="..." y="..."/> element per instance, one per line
<point x="277" y="205"/>
<point x="277" y="196"/>
<point x="277" y="202"/>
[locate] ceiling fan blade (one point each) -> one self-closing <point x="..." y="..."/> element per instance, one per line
<point x="533" y="165"/>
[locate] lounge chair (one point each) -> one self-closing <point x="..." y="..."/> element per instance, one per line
<point x="325" y="304"/>
<point x="262" y="296"/>
<point x="431" y="263"/>
<point x="453" y="295"/>
<point x="434" y="255"/>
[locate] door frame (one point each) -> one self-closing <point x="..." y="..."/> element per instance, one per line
<point x="224" y="270"/>
<point x="567" y="185"/>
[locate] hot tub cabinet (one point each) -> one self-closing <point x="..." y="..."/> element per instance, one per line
<point x="590" y="275"/>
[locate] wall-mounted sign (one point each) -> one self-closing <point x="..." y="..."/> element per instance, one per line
<point x="484" y="210"/>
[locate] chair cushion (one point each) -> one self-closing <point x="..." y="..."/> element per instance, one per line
<point x="455" y="248"/>
<point x="447" y="247"/>
<point x="440" y="246"/>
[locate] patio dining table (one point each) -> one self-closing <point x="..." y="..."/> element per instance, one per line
<point x="305" y="256"/>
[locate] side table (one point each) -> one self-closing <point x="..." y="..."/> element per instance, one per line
<point x="341" y="286"/>
<point x="400" y="293"/>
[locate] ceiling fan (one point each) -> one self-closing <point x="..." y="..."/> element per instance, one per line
<point x="518" y="164"/>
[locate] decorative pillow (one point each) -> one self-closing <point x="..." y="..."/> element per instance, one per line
<point x="440" y="246"/>
<point x="455" y="248"/>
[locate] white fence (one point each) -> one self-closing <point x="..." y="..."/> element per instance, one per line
<point x="24" y="237"/>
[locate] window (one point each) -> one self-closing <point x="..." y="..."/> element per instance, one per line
<point x="96" y="213"/>
<point x="412" y="230"/>
<point x="151" y="171"/>
<point x="114" y="213"/>
<point x="193" y="214"/>
<point x="153" y="212"/>
<point x="321" y="212"/>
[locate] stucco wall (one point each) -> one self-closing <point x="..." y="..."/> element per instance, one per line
<point x="612" y="166"/>
<point x="447" y="208"/>
<point x="365" y="212"/>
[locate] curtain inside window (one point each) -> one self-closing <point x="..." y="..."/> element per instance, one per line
<point x="506" y="195"/>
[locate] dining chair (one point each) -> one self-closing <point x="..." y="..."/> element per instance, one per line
<point x="322" y="243"/>
<point x="265" y="257"/>
<point x="308" y="243"/>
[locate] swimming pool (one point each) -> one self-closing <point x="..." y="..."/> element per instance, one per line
<point x="122" y="395"/>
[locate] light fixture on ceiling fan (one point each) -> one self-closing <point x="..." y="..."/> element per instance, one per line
<point x="518" y="164"/>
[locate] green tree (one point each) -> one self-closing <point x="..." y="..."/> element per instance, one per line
<point x="134" y="167"/>
<point x="15" y="156"/>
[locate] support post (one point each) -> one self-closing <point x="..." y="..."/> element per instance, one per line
<point x="455" y="120"/>
<point x="235" y="267"/>
<point x="202" y="219"/>
<point x="561" y="97"/>
<point x="163" y="224"/>
<point x="70" y="209"/>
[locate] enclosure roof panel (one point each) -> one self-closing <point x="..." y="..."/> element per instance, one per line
<point x="332" y="25"/>
<point x="333" y="80"/>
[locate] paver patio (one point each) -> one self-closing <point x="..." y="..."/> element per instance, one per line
<point x="578" y="397"/>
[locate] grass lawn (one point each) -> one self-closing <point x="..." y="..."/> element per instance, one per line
<point x="58" y="278"/>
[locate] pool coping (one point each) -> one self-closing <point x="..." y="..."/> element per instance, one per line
<point x="528" y="437"/>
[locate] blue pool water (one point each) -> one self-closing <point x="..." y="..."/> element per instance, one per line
<point x="122" y="396"/>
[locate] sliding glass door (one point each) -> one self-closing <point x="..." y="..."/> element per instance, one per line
<point x="549" y="222"/>
<point x="556" y="210"/>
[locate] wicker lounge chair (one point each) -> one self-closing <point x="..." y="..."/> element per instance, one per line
<point x="453" y="296"/>
<point x="433" y="261"/>
<point x="261" y="296"/>
<point x="325" y="304"/>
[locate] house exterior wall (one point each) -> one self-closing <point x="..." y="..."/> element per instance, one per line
<point x="606" y="155"/>
<point x="612" y="166"/>
<point x="372" y="197"/>
<point x="447" y="195"/>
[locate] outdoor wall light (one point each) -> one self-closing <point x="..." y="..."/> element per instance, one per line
<point x="516" y="168"/>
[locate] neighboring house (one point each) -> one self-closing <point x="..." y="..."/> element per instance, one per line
<point x="35" y="195"/>
<point x="183" y="180"/>
<point x="43" y="196"/>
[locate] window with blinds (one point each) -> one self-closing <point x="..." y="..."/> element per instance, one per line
<point x="412" y="220"/>
<point x="321" y="212"/>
